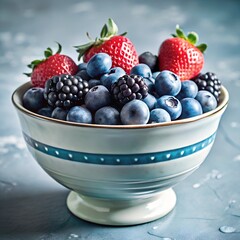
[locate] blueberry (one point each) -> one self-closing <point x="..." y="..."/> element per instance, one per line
<point x="155" y="74"/>
<point x="84" y="75"/>
<point x="33" y="99"/>
<point x="171" y="104"/>
<point x="135" y="112"/>
<point x="150" y="100"/>
<point x="59" y="113"/>
<point x="99" y="64"/>
<point x="82" y="66"/>
<point x="149" y="59"/>
<point x="93" y="83"/>
<point x="167" y="83"/>
<point x="111" y="77"/>
<point x="107" y="116"/>
<point x="142" y="70"/>
<point x="97" y="97"/>
<point x="152" y="79"/>
<point x="207" y="100"/>
<point x="45" y="111"/>
<point x="150" y="84"/>
<point x="190" y="108"/>
<point x="79" y="114"/>
<point x="159" y="115"/>
<point x="189" y="89"/>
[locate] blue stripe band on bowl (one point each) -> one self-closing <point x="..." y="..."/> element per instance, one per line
<point x="119" y="159"/>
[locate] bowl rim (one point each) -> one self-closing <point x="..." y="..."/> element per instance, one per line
<point x="224" y="98"/>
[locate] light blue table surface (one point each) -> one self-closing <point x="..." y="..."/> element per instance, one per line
<point x="32" y="205"/>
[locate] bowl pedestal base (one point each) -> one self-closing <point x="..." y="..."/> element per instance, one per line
<point x="121" y="212"/>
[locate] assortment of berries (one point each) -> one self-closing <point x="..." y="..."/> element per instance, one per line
<point x="114" y="86"/>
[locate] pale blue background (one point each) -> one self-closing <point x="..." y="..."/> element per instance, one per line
<point x="32" y="205"/>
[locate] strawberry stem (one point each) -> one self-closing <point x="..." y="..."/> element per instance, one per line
<point x="109" y="30"/>
<point x="192" y="37"/>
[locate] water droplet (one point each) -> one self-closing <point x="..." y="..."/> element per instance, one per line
<point x="72" y="235"/>
<point x="227" y="229"/>
<point x="231" y="203"/>
<point x="160" y="237"/>
<point x="155" y="227"/>
<point x="234" y="124"/>
<point x="219" y="176"/>
<point x="196" y="185"/>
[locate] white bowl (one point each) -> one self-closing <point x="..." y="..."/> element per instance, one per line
<point x="122" y="174"/>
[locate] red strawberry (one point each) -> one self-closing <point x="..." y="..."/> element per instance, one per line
<point x="52" y="65"/>
<point x="120" y="48"/>
<point x="180" y="55"/>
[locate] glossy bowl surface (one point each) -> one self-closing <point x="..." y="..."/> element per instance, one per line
<point x="131" y="164"/>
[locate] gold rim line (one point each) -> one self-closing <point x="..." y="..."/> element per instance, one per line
<point x="27" y="85"/>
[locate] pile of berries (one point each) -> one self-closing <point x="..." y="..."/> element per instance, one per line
<point x="104" y="95"/>
<point x="116" y="86"/>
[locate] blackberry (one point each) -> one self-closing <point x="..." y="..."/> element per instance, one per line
<point x="129" y="87"/>
<point x="65" y="91"/>
<point x="209" y="82"/>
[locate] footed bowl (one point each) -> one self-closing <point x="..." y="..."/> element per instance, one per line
<point x="121" y="174"/>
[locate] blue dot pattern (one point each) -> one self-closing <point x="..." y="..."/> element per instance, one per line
<point x="119" y="159"/>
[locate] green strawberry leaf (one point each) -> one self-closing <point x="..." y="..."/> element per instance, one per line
<point x="174" y="35"/>
<point x="83" y="48"/>
<point x="123" y="34"/>
<point x="59" y="48"/>
<point x="192" y="37"/>
<point x="35" y="63"/>
<point x="88" y="36"/>
<point x="109" y="30"/>
<point x="202" y="47"/>
<point x="104" y="31"/>
<point x="28" y="74"/>
<point x="112" y="28"/>
<point x="180" y="32"/>
<point x="48" y="53"/>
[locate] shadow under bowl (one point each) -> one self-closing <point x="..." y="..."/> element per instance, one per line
<point x="121" y="174"/>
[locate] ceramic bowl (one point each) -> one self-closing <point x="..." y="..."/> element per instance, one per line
<point x="119" y="175"/>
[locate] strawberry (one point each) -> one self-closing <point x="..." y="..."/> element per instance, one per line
<point x="52" y="65"/>
<point x="120" y="48"/>
<point x="180" y="55"/>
